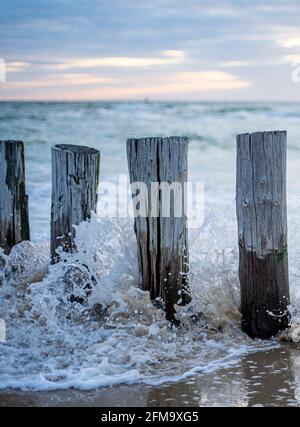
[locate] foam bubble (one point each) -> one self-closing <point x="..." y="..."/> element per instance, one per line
<point x="87" y="324"/>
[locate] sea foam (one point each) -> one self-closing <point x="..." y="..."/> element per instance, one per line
<point x="87" y="324"/>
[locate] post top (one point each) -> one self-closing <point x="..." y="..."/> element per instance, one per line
<point x="171" y="139"/>
<point x="263" y="133"/>
<point x="10" y="141"/>
<point x="80" y="149"/>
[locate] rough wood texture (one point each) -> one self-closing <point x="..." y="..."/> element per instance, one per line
<point x="14" y="224"/>
<point x="162" y="241"/>
<point x="75" y="178"/>
<point x="262" y="230"/>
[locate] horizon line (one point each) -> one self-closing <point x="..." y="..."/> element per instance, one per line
<point x="149" y="101"/>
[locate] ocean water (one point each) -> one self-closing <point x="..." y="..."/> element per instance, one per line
<point x="116" y="335"/>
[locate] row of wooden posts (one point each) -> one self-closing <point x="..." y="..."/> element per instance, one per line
<point x="162" y="242"/>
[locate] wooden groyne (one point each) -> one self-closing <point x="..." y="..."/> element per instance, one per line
<point x="162" y="240"/>
<point x="75" y="179"/>
<point x="14" y="223"/>
<point x="161" y="237"/>
<point x="262" y="232"/>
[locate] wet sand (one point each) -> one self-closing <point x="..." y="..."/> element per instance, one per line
<point x="270" y="378"/>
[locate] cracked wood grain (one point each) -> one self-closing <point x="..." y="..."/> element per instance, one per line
<point x="262" y="232"/>
<point x="75" y="178"/>
<point x="14" y="222"/>
<point x="162" y="241"/>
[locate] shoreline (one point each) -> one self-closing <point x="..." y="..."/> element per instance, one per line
<point x="269" y="378"/>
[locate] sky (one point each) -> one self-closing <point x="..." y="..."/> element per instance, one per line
<point x="156" y="49"/>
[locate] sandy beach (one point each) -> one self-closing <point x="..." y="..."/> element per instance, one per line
<point x="270" y="378"/>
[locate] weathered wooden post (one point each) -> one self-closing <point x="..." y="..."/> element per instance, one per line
<point x="75" y="178"/>
<point x="161" y="165"/>
<point x="262" y="230"/>
<point x="14" y="223"/>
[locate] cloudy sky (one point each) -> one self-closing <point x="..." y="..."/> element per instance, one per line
<point x="161" y="49"/>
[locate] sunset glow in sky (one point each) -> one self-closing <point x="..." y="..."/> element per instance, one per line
<point x="158" y="49"/>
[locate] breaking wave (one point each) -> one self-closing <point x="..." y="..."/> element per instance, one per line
<point x="84" y="322"/>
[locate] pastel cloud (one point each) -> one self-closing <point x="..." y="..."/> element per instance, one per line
<point x="60" y="80"/>
<point x="290" y="40"/>
<point x="177" y="83"/>
<point x="16" y="66"/>
<point x="170" y="57"/>
<point x="164" y="49"/>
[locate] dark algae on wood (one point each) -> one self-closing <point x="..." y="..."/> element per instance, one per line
<point x="75" y="179"/>
<point x="262" y="232"/>
<point x="14" y="223"/>
<point x="162" y="240"/>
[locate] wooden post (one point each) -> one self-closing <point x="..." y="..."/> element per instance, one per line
<point x="162" y="240"/>
<point x="75" y="178"/>
<point x="14" y="223"/>
<point x="262" y="231"/>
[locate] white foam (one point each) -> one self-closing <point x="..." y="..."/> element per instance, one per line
<point x="53" y="343"/>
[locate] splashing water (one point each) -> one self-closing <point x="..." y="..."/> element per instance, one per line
<point x="84" y="322"/>
<point x="87" y="324"/>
